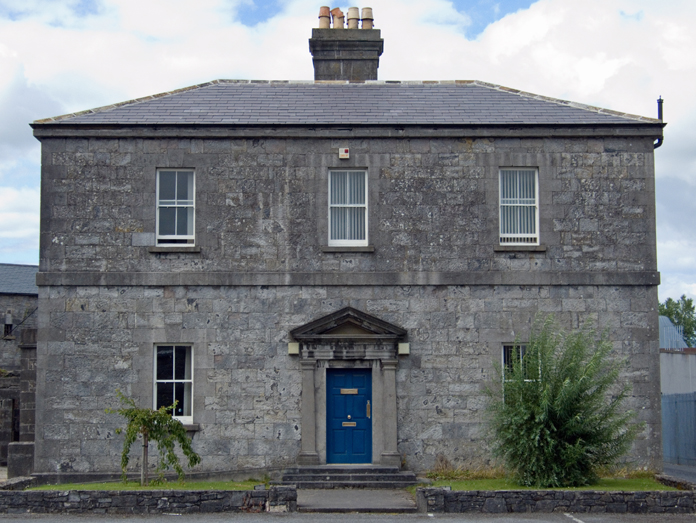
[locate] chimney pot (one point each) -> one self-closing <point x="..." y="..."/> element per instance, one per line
<point x="324" y="17"/>
<point x="353" y="17"/>
<point x="351" y="56"/>
<point x="338" y="17"/>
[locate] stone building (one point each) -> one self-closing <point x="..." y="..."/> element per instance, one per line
<point x="19" y="298"/>
<point x="327" y="286"/>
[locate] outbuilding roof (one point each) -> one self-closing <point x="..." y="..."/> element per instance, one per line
<point x="670" y="337"/>
<point x="18" y="279"/>
<point x="244" y="102"/>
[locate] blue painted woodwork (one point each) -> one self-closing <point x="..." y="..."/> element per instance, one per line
<point x="346" y="444"/>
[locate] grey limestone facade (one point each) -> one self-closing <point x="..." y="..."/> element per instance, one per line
<point x="262" y="267"/>
<point x="331" y="286"/>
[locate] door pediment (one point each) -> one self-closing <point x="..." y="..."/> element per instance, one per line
<point x="345" y="323"/>
<point x="348" y="334"/>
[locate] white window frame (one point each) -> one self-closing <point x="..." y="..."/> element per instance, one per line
<point x="348" y="242"/>
<point x="177" y="239"/>
<point x="188" y="418"/>
<point x="509" y="349"/>
<point x="508" y="237"/>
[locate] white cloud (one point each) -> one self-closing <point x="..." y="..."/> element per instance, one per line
<point x="619" y="54"/>
<point x="19" y="229"/>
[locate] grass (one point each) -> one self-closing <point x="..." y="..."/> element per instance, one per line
<point x="616" y="479"/>
<point x="606" y="484"/>
<point x="169" y="485"/>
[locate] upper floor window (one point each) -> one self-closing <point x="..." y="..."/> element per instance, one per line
<point x="348" y="208"/>
<point x="519" y="207"/>
<point x="175" y="207"/>
<point x="174" y="380"/>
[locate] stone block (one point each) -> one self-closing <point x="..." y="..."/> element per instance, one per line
<point x="20" y="459"/>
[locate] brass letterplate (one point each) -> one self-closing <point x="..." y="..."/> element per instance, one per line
<point x="349" y="391"/>
<point x="350" y="424"/>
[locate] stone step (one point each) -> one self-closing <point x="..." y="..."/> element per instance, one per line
<point x="348" y="469"/>
<point x="349" y="477"/>
<point x="391" y="485"/>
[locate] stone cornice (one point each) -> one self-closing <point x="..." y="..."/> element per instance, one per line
<point x="646" y="130"/>
<point x="160" y="279"/>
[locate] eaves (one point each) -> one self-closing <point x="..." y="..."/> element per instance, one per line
<point x="558" y="130"/>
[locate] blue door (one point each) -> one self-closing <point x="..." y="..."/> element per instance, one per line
<point x="349" y="416"/>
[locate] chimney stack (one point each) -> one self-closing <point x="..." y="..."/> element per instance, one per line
<point x="350" y="54"/>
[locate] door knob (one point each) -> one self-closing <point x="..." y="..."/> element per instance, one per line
<point x="349" y="416"/>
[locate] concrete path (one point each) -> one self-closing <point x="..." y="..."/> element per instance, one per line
<point x="685" y="472"/>
<point x="355" y="500"/>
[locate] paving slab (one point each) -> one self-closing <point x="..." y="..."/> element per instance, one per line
<point x="355" y="500"/>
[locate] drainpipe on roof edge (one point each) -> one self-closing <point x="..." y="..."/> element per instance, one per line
<point x="659" y="141"/>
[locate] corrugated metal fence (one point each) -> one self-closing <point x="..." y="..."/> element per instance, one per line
<point x="679" y="428"/>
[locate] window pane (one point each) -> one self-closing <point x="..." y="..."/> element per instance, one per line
<point x="167" y="185"/>
<point x="182" y="221"/>
<point x="167" y="216"/>
<point x="338" y="188"/>
<point x="179" y="397"/>
<point x="339" y="223"/>
<point x="182" y="363"/>
<point x="356" y="182"/>
<point x="526" y="186"/>
<point x="356" y="223"/>
<point x="187" y="399"/>
<point x="182" y="185"/>
<point x="165" y="363"/>
<point x="165" y="395"/>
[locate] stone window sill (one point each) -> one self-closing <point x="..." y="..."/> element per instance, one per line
<point x="328" y="248"/>
<point x="174" y="248"/>
<point x="520" y="248"/>
<point x="192" y="427"/>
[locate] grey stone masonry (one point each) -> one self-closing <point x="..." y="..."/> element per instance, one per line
<point x="348" y="54"/>
<point x="276" y="499"/>
<point x="248" y="389"/>
<point x="489" y="501"/>
<point x="261" y="207"/>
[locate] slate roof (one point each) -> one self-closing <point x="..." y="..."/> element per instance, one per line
<point x="18" y="279"/>
<point x="243" y="102"/>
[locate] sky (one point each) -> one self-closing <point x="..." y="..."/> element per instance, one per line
<point x="61" y="56"/>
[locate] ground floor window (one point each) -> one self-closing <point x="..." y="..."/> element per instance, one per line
<point x="512" y="354"/>
<point x="174" y="380"/>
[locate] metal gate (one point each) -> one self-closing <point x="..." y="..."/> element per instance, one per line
<point x="679" y="428"/>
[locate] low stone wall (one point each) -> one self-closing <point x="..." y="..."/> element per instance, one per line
<point x="442" y="500"/>
<point x="275" y="499"/>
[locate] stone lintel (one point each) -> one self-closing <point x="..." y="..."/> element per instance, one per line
<point x="158" y="279"/>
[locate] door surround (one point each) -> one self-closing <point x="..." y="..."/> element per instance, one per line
<point x="349" y="338"/>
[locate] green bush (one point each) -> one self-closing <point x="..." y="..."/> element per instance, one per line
<point x="154" y="425"/>
<point x="556" y="412"/>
